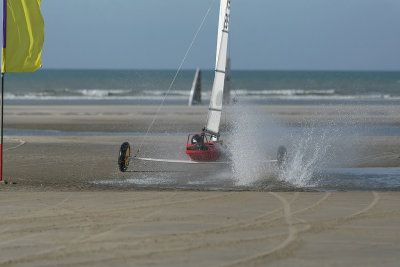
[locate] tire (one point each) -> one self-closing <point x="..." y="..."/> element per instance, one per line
<point x="124" y="156"/>
<point x="282" y="156"/>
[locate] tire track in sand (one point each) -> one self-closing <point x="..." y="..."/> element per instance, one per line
<point x="253" y="222"/>
<point x="21" y="143"/>
<point x="291" y="237"/>
<point x="59" y="250"/>
<point x="87" y="236"/>
<point x="293" y="232"/>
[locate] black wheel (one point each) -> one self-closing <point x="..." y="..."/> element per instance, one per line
<point x="281" y="156"/>
<point x="124" y="156"/>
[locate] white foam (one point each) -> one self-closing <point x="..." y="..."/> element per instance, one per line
<point x="101" y="93"/>
<point x="250" y="145"/>
<point x="305" y="158"/>
<point x="137" y="94"/>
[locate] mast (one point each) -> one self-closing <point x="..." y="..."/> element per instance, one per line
<point x="227" y="85"/>
<point x="215" y="107"/>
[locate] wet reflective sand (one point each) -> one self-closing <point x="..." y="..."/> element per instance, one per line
<point x="71" y="205"/>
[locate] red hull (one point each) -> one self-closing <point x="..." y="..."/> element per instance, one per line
<point x="209" y="152"/>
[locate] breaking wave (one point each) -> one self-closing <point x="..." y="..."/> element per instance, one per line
<point x="134" y="94"/>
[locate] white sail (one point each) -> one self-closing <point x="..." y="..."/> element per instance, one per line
<point x="195" y="92"/>
<point x="227" y="86"/>
<point x="215" y="108"/>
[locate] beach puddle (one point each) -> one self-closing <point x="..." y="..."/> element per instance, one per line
<point x="331" y="179"/>
<point x="174" y="180"/>
<point x="380" y="179"/>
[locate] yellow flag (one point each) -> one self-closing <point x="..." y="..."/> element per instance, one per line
<point x="23" y="36"/>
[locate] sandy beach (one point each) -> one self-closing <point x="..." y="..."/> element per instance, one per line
<point x="57" y="210"/>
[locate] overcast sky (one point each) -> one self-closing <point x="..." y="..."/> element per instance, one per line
<point x="265" y="34"/>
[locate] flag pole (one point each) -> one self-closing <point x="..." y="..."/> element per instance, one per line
<point x="2" y="84"/>
<point x="2" y="111"/>
<point x="24" y="48"/>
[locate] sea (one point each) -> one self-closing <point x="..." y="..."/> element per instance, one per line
<point x="150" y="87"/>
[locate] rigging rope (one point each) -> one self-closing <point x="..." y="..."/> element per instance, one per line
<point x="176" y="75"/>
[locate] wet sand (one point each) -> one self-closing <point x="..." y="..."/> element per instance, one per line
<point x="57" y="214"/>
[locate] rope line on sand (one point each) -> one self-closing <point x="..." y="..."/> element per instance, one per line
<point x="176" y="75"/>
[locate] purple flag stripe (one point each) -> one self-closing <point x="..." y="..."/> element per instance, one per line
<point x="4" y="22"/>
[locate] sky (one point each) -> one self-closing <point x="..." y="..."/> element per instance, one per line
<point x="264" y="34"/>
